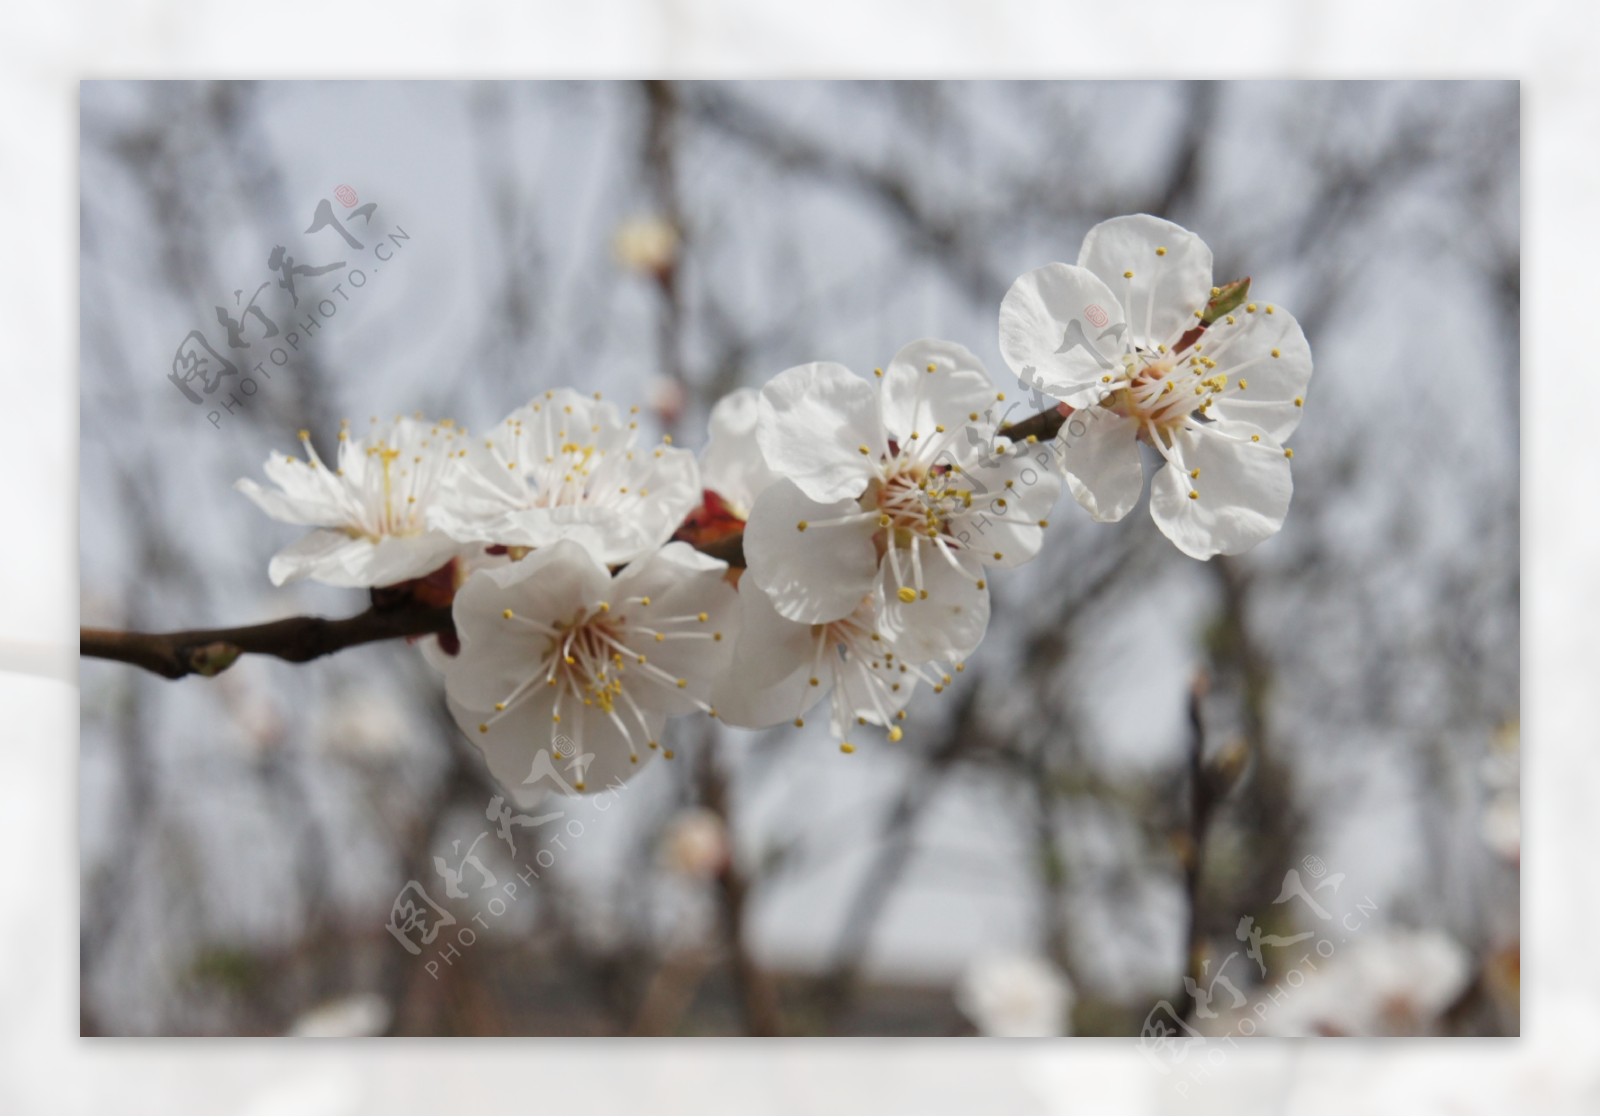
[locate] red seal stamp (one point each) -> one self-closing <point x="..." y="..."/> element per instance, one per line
<point x="346" y="195"/>
<point x="1096" y="315"/>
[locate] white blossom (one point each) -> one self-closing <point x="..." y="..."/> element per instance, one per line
<point x="782" y="668"/>
<point x="555" y="645"/>
<point x="1120" y="337"/>
<point x="1391" y="982"/>
<point x="904" y="487"/>
<point x="1016" y="995"/>
<point x="567" y="466"/>
<point x="372" y="509"/>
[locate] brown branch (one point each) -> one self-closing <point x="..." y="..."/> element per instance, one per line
<point x="1211" y="779"/>
<point x="209" y="651"/>
<point x="1042" y="426"/>
<point x="760" y="1005"/>
<point x="1202" y="800"/>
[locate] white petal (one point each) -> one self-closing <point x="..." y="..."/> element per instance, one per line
<point x="732" y="465"/>
<point x="867" y="693"/>
<point x="513" y="487"/>
<point x="1243" y="490"/>
<point x="949" y="622"/>
<point x="1061" y="330"/>
<point x="400" y="558"/>
<point x="597" y="530"/>
<point x="679" y="581"/>
<point x="299" y="507"/>
<point x="337" y="559"/>
<point x="512" y="743"/>
<point x="434" y="655"/>
<point x="481" y="485"/>
<point x="323" y="496"/>
<point x="1100" y="453"/>
<point x="1167" y="286"/>
<point x="498" y="654"/>
<point x="771" y="646"/>
<point x="814" y="420"/>
<point x="1276" y="385"/>
<point x="561" y="417"/>
<point x="602" y="754"/>
<point x="750" y="706"/>
<point x="1010" y="529"/>
<point x="914" y="399"/>
<point x="672" y="485"/>
<point x="330" y="557"/>
<point x="819" y="574"/>
<point x="669" y="569"/>
<point x="663" y="486"/>
<point x="530" y="754"/>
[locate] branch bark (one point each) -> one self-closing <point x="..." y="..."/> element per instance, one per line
<point x="209" y="651"/>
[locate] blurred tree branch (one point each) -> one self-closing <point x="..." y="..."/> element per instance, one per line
<point x="1209" y="784"/>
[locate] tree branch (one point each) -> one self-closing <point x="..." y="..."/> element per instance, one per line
<point x="209" y="651"/>
<point x="1202" y="801"/>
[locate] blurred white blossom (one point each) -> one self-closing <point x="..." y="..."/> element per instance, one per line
<point x="362" y="1014"/>
<point x="1392" y="982"/>
<point x="646" y="244"/>
<point x="364" y="722"/>
<point x="695" y="844"/>
<point x="1501" y="820"/>
<point x="666" y="398"/>
<point x="1016" y="995"/>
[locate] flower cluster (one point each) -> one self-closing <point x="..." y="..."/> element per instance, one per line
<point x="867" y="559"/>
<point x="1135" y="336"/>
<point x="412" y="496"/>
<point x="835" y="539"/>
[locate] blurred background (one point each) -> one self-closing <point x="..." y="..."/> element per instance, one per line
<point x="1032" y="856"/>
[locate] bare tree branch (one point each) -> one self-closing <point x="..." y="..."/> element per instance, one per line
<point x="209" y="651"/>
